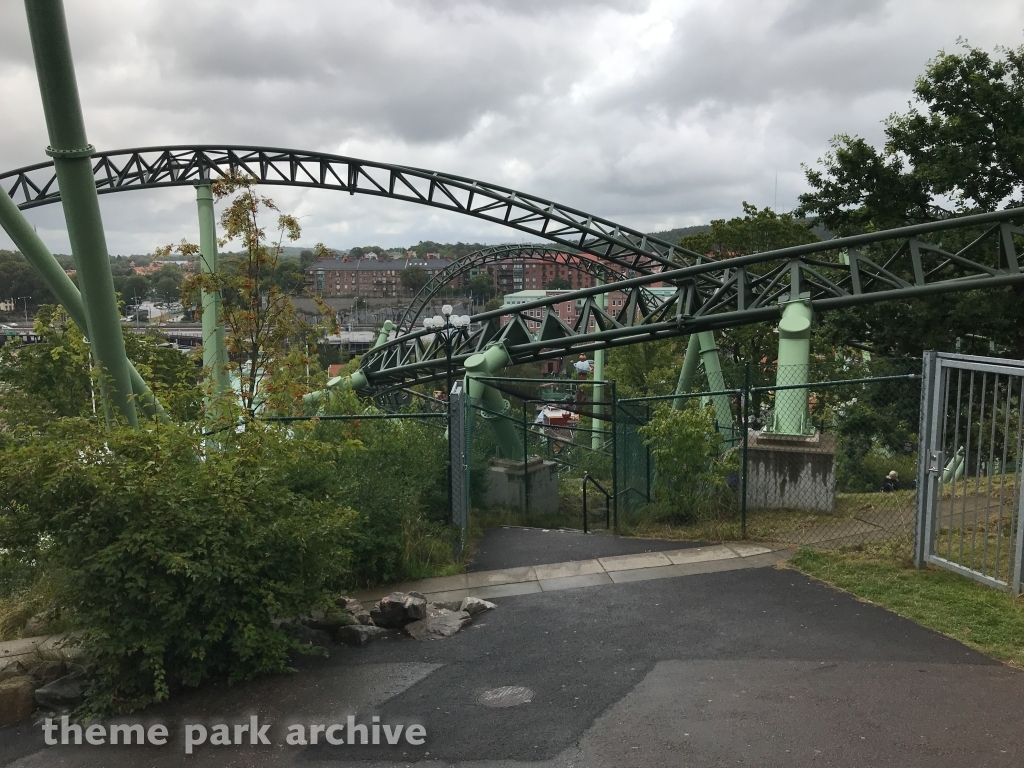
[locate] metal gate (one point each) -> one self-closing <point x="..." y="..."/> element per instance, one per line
<point x="969" y="477"/>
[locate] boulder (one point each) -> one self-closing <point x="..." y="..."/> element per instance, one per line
<point x="453" y="605"/>
<point x="359" y="634"/>
<point x="16" y="702"/>
<point x="14" y="669"/>
<point x="355" y="609"/>
<point x="47" y="671"/>
<point x="438" y="627"/>
<point x="474" y="605"/>
<point x="329" y="621"/>
<point x="306" y="635"/>
<point x="398" y="609"/>
<point x="65" y="693"/>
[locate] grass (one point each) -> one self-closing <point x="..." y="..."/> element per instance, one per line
<point x="980" y="617"/>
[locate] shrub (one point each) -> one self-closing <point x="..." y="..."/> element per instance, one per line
<point x="174" y="560"/>
<point x="691" y="479"/>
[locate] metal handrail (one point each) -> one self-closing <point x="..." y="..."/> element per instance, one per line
<point x="607" y="502"/>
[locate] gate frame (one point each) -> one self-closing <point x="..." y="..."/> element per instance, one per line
<point x="931" y="462"/>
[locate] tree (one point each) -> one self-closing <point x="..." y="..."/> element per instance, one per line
<point x="414" y="278"/>
<point x="756" y="231"/>
<point x="559" y="284"/>
<point x="269" y="346"/>
<point x="18" y="278"/>
<point x="650" y="368"/>
<point x="482" y="286"/>
<point x="289" y="276"/>
<point x="958" y="150"/>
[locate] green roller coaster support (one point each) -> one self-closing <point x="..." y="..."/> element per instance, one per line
<point x="791" y="415"/>
<point x="701" y="349"/>
<point x="954" y="468"/>
<point x="597" y="436"/>
<point x="496" y="408"/>
<point x="688" y="372"/>
<point x="38" y="255"/>
<point x="215" y="355"/>
<point x="70" y="150"/>
<point x="716" y="383"/>
<point x="384" y="333"/>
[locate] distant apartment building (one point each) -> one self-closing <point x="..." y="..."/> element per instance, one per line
<point x="366" y="278"/>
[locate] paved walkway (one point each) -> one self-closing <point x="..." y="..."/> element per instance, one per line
<point x="573" y="574"/>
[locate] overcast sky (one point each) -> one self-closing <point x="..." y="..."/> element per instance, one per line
<point x="653" y="114"/>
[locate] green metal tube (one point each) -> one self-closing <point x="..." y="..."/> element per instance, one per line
<point x="791" y="417"/>
<point x="38" y="255"/>
<point x="383" y="333"/>
<point x="71" y="151"/>
<point x="688" y="371"/>
<point x="716" y="383"/>
<point x="215" y="355"/>
<point x="488" y="363"/>
<point x="597" y="436"/>
<point x="954" y="468"/>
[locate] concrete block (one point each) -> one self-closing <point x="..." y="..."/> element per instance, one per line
<point x="791" y="471"/>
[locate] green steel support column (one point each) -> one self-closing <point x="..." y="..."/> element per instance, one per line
<point x="791" y="416"/>
<point x="716" y="383"/>
<point x="385" y="331"/>
<point x="488" y="363"/>
<point x="597" y="436"/>
<point x="688" y="372"/>
<point x="70" y="150"/>
<point x="38" y="255"/>
<point x="215" y="355"/>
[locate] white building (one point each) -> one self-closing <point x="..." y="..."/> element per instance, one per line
<point x="6" y="305"/>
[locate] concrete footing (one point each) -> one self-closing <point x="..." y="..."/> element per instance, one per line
<point x="791" y="471"/>
<point x="508" y="485"/>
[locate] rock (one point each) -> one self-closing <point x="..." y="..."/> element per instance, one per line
<point x="14" y="669"/>
<point x="16" y="702"/>
<point x="474" y="605"/>
<point x="329" y="621"/>
<point x="453" y="606"/>
<point x="438" y="627"/>
<point x="439" y="610"/>
<point x="47" y="671"/>
<point x="306" y="635"/>
<point x="359" y="634"/>
<point x="398" y="609"/>
<point x="65" y="693"/>
<point x="355" y="609"/>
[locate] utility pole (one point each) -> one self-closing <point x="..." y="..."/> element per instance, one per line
<point x="26" y="298"/>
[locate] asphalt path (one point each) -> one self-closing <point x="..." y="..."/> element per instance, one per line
<point x="762" y="667"/>
<point x="512" y="547"/>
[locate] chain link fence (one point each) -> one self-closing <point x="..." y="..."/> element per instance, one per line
<point x="828" y="457"/>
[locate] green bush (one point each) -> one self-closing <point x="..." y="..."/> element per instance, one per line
<point x="174" y="560"/>
<point x="691" y="478"/>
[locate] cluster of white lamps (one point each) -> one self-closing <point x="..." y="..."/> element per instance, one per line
<point x="437" y="322"/>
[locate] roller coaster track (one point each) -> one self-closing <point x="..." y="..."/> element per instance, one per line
<point x="957" y="254"/>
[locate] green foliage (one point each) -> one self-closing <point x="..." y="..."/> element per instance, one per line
<point x="495" y="303"/>
<point x="52" y="379"/>
<point x="650" y="368"/>
<point x="756" y="231"/>
<point x="690" y="475"/>
<point x="558" y="284"/>
<point x="174" y="560"/>
<point x="414" y="278"/>
<point x="959" y="149"/>
<point x="18" y="278"/>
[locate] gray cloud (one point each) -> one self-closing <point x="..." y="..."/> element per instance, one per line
<point x="656" y="113"/>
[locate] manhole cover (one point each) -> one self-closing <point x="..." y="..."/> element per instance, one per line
<point x="509" y="696"/>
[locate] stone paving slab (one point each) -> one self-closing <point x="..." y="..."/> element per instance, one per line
<point x="618" y="569"/>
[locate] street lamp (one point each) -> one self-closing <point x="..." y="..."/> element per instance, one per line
<point x="26" y="298"/>
<point x="448" y="325"/>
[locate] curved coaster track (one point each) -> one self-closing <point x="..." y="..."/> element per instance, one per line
<point x="956" y="254"/>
